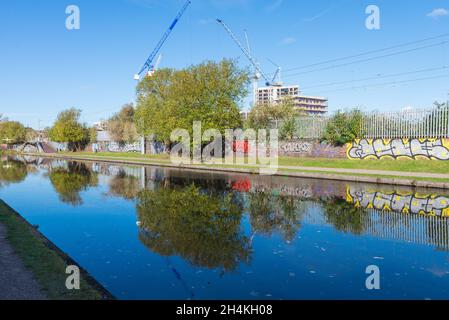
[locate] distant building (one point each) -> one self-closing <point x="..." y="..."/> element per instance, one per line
<point x="307" y="104"/>
<point x="102" y="131"/>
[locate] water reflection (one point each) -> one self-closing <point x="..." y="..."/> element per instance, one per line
<point x="217" y="235"/>
<point x="124" y="185"/>
<point x="397" y="201"/>
<point x="271" y="214"/>
<point x="197" y="215"/>
<point x="70" y="180"/>
<point x="12" y="172"/>
<point x="202" y="228"/>
<point x="343" y="216"/>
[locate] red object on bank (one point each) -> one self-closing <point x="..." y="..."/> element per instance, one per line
<point x="241" y="147"/>
<point x="242" y="185"/>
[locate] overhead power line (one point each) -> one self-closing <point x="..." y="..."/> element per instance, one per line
<point x="368" y="52"/>
<point x="368" y="59"/>
<point x="375" y="77"/>
<point x="389" y="83"/>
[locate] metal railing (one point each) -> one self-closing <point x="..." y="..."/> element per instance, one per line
<point x="307" y="127"/>
<point x="410" y="124"/>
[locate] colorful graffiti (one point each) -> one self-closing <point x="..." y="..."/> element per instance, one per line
<point x="408" y="203"/>
<point x="434" y="149"/>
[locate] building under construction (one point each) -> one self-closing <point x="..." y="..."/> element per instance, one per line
<point x="306" y="104"/>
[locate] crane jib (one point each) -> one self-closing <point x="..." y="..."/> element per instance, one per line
<point x="148" y="63"/>
<point x="173" y="24"/>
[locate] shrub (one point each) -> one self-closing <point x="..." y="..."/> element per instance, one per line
<point x="344" y="127"/>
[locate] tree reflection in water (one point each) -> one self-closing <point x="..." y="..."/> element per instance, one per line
<point x="271" y="213"/>
<point x="204" y="229"/>
<point x="71" y="181"/>
<point x="125" y="186"/>
<point x="344" y="216"/>
<point x="12" y="172"/>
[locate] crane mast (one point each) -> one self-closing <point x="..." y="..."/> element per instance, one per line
<point x="148" y="64"/>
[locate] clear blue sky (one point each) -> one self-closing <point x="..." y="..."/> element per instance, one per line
<point x="46" y="68"/>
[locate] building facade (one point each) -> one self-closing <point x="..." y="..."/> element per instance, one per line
<point x="307" y="104"/>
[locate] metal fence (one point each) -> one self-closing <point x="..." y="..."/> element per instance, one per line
<point x="408" y="124"/>
<point x="307" y="127"/>
<point x="426" y="123"/>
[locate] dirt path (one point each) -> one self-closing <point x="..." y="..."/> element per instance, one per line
<point x="16" y="282"/>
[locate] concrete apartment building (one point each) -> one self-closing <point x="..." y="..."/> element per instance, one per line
<point x="308" y="104"/>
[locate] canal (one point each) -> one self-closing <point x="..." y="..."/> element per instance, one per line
<point x="156" y="233"/>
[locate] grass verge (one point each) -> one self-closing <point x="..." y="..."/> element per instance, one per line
<point x="403" y="165"/>
<point x="47" y="263"/>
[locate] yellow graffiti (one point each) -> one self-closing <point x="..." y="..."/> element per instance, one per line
<point x="429" y="149"/>
<point x="407" y="203"/>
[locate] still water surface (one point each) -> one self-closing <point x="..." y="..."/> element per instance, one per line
<point x="155" y="233"/>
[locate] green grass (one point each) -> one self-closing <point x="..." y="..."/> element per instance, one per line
<point x="47" y="265"/>
<point x="404" y="165"/>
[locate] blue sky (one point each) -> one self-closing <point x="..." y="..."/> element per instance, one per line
<point x="46" y="68"/>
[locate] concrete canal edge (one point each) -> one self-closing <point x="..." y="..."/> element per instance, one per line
<point x="254" y="171"/>
<point x="46" y="261"/>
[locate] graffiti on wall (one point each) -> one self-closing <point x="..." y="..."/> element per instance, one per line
<point x="311" y="149"/>
<point x="435" y="149"/>
<point x="408" y="203"/>
<point x="128" y="147"/>
<point x="117" y="147"/>
<point x="295" y="147"/>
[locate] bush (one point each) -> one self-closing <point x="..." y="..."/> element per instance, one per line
<point x="344" y="127"/>
<point x="288" y="129"/>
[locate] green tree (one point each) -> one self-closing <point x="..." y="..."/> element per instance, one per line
<point x="288" y="129"/>
<point x="344" y="127"/>
<point x="12" y="132"/>
<point x="262" y="115"/>
<point x="210" y="92"/>
<point x="93" y="135"/>
<point x="121" y="126"/>
<point x="68" y="129"/>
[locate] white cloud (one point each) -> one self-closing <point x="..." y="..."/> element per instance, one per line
<point x="437" y="13"/>
<point x="287" y="41"/>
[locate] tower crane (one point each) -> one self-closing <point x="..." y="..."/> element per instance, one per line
<point x="277" y="74"/>
<point x="148" y="66"/>
<point x="258" y="71"/>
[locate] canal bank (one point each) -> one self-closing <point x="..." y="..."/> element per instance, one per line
<point x="33" y="268"/>
<point x="395" y="178"/>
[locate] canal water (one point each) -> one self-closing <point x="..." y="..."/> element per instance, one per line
<point x="155" y="233"/>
